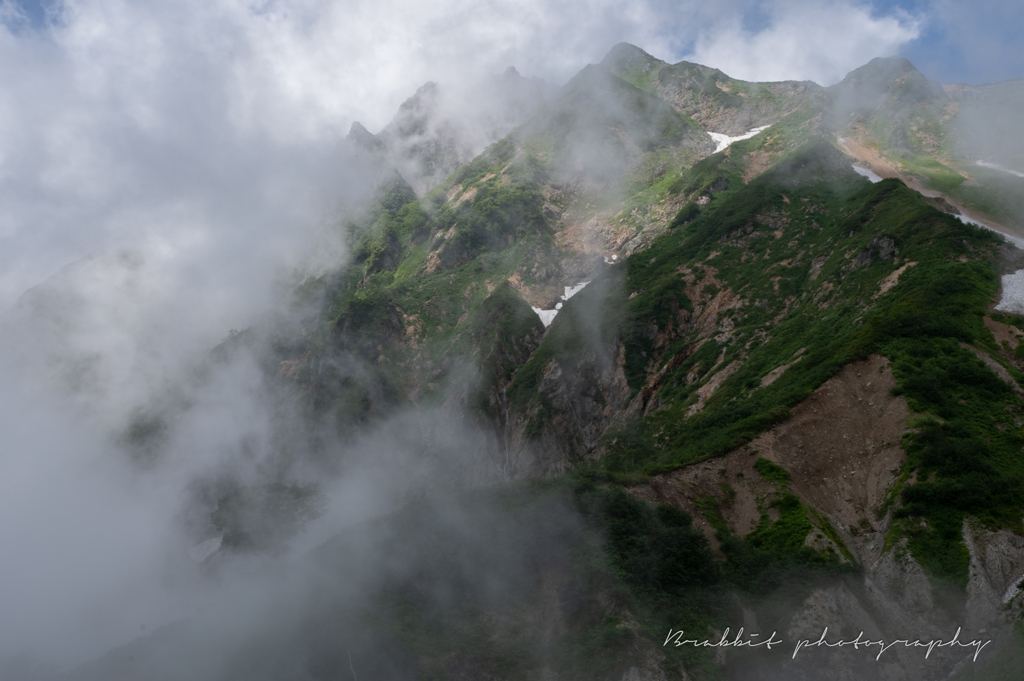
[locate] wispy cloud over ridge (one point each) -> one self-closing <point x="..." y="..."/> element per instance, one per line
<point x="195" y="148"/>
<point x="118" y="108"/>
<point x="805" y="41"/>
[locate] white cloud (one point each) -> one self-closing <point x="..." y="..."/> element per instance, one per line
<point x="819" y="41"/>
<point x="134" y="105"/>
<point x="202" y="136"/>
<point x="980" y="41"/>
<point x="122" y="108"/>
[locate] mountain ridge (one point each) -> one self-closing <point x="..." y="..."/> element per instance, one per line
<point x="754" y="323"/>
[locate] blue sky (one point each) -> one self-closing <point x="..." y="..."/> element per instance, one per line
<point x="977" y="41"/>
<point x="973" y="41"/>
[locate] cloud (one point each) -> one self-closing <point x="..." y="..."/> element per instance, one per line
<point x="114" y="108"/>
<point x="976" y="42"/>
<point x="804" y="41"/>
<point x="117" y="108"/>
<point x="182" y="155"/>
<point x="83" y="541"/>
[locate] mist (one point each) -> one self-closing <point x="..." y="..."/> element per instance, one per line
<point x="169" y="174"/>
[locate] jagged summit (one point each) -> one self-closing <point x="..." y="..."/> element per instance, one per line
<point x="589" y="75"/>
<point x="889" y="106"/>
<point x="362" y="137"/>
<point x="414" y="113"/>
<point x="719" y="103"/>
<point x="601" y="123"/>
<point x="441" y="127"/>
<point x="358" y="130"/>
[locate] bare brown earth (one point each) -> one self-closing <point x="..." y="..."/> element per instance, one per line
<point x="708" y="389"/>
<point x="777" y="372"/>
<point x="585" y="234"/>
<point x="869" y="157"/>
<point x="468" y="195"/>
<point x="893" y="279"/>
<point x="1004" y="333"/>
<point x="758" y="162"/>
<point x="841" y="446"/>
<point x="605" y="233"/>
<point x="883" y="167"/>
<point x="1008" y="338"/>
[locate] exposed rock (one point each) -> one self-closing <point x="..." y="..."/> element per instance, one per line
<point x="841" y="447"/>
<point x="942" y="204"/>
<point x="583" y="399"/>
<point x="776" y="373"/>
<point x="708" y="389"/>
<point x="882" y="247"/>
<point x="440" y="128"/>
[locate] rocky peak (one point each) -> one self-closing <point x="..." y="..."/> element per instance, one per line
<point x="626" y="57"/>
<point x="415" y="113"/>
<point x="359" y="135"/>
<point x="886" y="82"/>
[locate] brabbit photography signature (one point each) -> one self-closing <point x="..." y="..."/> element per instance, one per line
<point x="738" y="641"/>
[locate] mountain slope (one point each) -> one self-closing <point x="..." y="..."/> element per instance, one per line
<point x="716" y="101"/>
<point x="781" y="399"/>
<point x="732" y="313"/>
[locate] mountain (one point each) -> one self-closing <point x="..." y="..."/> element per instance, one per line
<point x="762" y="392"/>
<point x="439" y="129"/>
<point x="713" y="99"/>
<point x="939" y="140"/>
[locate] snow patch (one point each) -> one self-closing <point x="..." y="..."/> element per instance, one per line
<point x="874" y="177"/>
<point x="1012" y="299"/>
<point x="1014" y="589"/>
<point x="993" y="166"/>
<point x="548" y="316"/>
<point x="723" y="141"/>
<point x="1015" y="240"/>
<point x="570" y="291"/>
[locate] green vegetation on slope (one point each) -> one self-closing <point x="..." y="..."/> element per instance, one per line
<point x="808" y="292"/>
<point x="750" y="278"/>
